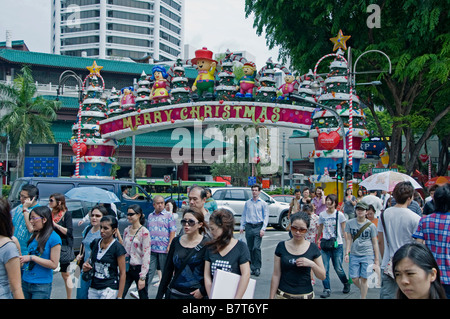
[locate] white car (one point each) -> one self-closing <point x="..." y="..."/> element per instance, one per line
<point x="233" y="199"/>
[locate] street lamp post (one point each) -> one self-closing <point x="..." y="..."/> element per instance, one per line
<point x="62" y="79"/>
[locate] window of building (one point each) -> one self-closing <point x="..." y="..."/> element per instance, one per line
<point x="129" y="28"/>
<point x="169" y="26"/>
<point x="130" y="16"/>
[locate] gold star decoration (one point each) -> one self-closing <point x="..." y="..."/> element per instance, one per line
<point x="94" y="68"/>
<point x="339" y="41"/>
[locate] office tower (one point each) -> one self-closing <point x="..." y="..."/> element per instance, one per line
<point x="118" y="29"/>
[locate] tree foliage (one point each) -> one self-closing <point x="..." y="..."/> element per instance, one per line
<point x="414" y="34"/>
<point x="27" y="117"/>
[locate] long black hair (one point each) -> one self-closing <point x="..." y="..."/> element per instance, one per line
<point x="421" y="256"/>
<point x="47" y="227"/>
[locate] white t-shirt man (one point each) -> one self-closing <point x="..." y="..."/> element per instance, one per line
<point x="401" y="223"/>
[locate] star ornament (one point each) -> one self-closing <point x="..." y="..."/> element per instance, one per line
<point x="339" y="41"/>
<point x="94" y="68"/>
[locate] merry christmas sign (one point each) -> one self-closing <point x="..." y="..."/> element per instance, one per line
<point x="232" y="112"/>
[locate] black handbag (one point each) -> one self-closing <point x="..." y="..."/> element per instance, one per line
<point x="331" y="243"/>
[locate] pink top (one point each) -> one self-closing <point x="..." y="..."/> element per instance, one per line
<point x="138" y="248"/>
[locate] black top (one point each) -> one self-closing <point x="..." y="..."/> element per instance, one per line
<point x="237" y="256"/>
<point x="106" y="268"/>
<point x="66" y="222"/>
<point x="293" y="279"/>
<point x="191" y="277"/>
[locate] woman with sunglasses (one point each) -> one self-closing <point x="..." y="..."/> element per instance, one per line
<point x="62" y="222"/>
<point x="44" y="248"/>
<point x="136" y="240"/>
<point x="294" y="259"/>
<point x="182" y="276"/>
<point x="90" y="233"/>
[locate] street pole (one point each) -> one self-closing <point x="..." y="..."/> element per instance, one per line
<point x="62" y="79"/>
<point x="282" y="166"/>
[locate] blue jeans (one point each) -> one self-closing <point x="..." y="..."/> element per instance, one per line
<point x="336" y="257"/>
<point x="36" y="291"/>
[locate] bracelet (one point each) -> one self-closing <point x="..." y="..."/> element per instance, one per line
<point x="31" y="258"/>
<point x="142" y="278"/>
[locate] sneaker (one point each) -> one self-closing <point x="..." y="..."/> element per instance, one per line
<point x="346" y="289"/>
<point x="326" y="293"/>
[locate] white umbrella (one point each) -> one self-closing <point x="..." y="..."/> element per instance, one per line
<point x="387" y="180"/>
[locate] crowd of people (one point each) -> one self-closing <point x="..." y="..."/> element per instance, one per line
<point x="406" y="245"/>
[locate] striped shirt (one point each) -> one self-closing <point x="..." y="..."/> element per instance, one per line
<point x="160" y="226"/>
<point x="434" y="229"/>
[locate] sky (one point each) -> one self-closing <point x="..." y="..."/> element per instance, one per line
<point x="216" y="24"/>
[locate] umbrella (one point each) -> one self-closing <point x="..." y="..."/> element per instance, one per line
<point x="92" y="194"/>
<point x="439" y="180"/>
<point x="387" y="180"/>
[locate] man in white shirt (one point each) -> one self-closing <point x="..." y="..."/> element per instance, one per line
<point x="400" y="223"/>
<point x="254" y="220"/>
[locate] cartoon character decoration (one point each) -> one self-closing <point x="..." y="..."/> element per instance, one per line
<point x="127" y="102"/>
<point x="204" y="83"/>
<point x="247" y="82"/>
<point x="160" y="89"/>
<point x="288" y="87"/>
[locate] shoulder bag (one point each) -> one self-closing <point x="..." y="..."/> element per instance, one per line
<point x="361" y="230"/>
<point x="388" y="270"/>
<point x="332" y="243"/>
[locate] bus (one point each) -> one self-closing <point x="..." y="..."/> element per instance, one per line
<point x="159" y="186"/>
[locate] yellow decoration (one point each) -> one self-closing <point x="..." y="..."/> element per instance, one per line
<point x="339" y="41"/>
<point x="94" y="68"/>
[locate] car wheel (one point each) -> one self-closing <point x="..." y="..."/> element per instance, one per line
<point x="284" y="221"/>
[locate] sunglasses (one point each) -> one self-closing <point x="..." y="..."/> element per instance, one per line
<point x="190" y="222"/>
<point x="299" y="229"/>
<point x="131" y="214"/>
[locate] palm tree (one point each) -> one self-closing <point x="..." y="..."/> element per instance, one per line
<point x="25" y="116"/>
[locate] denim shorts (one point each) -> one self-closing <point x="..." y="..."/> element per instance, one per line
<point x="358" y="265"/>
<point x="36" y="291"/>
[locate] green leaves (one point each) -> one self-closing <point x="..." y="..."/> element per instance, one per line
<point x="28" y="116"/>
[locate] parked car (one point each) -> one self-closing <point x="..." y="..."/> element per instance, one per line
<point x="283" y="198"/>
<point x="79" y="209"/>
<point x="50" y="185"/>
<point x="233" y="199"/>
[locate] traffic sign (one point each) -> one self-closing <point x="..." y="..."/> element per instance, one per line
<point x="166" y="178"/>
<point x="382" y="170"/>
<point x="251" y="180"/>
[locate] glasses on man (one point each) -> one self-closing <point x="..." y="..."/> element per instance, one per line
<point x="189" y="222"/>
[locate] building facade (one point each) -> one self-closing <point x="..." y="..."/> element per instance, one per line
<point x="118" y="29"/>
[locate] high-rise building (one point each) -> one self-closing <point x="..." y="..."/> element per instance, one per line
<point x="118" y="29"/>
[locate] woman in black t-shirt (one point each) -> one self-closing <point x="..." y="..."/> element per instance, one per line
<point x="107" y="263"/>
<point x="226" y="252"/>
<point x="293" y="262"/>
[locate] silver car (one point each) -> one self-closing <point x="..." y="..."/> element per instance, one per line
<point x="233" y="199"/>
